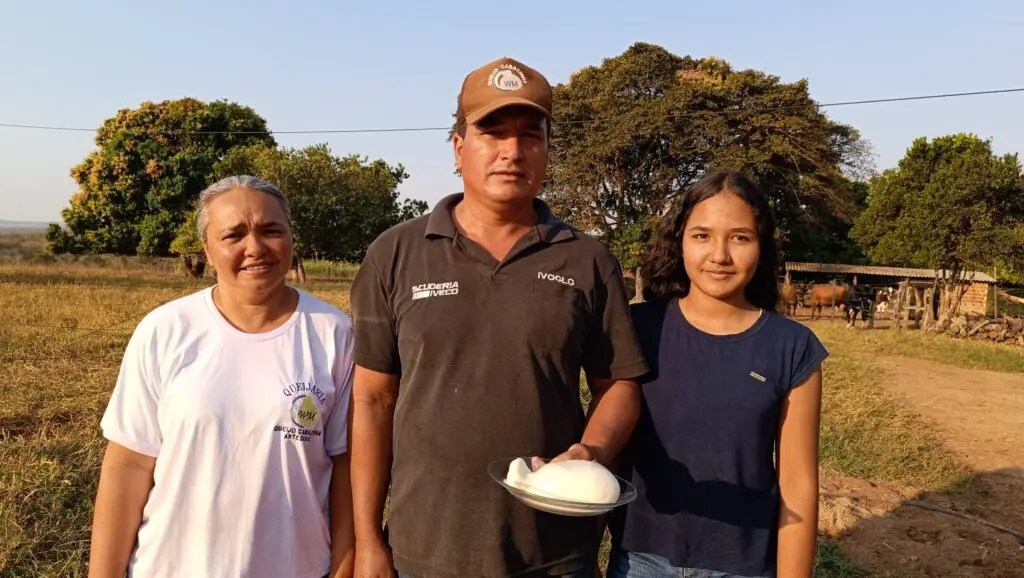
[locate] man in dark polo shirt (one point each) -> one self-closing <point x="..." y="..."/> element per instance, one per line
<point x="472" y="325"/>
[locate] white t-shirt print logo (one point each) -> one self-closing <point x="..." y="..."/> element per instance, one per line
<point x="425" y="290"/>
<point x="306" y="402"/>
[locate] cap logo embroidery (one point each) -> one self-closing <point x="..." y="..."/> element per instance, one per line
<point x="507" y="77"/>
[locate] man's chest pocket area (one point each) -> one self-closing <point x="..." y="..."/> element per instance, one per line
<point x="431" y="330"/>
<point x="556" y="316"/>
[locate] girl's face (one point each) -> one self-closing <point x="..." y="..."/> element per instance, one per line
<point x="720" y="247"/>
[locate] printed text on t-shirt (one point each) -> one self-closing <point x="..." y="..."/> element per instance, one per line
<point x="424" y="290"/>
<point x="305" y="402"/>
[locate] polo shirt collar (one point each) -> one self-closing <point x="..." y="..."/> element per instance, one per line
<point x="550" y="229"/>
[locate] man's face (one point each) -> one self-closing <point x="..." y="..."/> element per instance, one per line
<point x="504" y="156"/>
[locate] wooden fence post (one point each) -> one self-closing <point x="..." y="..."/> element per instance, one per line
<point x="995" y="294"/>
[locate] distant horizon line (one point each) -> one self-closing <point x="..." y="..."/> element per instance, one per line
<point x="23" y="223"/>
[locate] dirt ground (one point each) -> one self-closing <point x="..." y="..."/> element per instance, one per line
<point x="882" y="320"/>
<point x="980" y="415"/>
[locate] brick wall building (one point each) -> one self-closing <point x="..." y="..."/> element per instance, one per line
<point x="976" y="298"/>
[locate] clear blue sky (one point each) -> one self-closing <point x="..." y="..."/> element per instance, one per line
<point x="344" y="65"/>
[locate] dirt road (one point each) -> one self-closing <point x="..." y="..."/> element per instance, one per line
<point x="980" y="416"/>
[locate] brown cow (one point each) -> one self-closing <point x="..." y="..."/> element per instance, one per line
<point x="828" y="296"/>
<point x="789" y="296"/>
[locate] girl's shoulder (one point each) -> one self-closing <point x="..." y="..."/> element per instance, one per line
<point x="648" y="317"/>
<point x="649" y="310"/>
<point x="796" y="345"/>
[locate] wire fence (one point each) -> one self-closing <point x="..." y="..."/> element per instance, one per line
<point x="66" y="351"/>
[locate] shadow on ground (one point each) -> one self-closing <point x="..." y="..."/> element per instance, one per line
<point x="884" y="529"/>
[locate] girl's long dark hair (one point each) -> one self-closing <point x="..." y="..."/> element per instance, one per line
<point x="663" y="268"/>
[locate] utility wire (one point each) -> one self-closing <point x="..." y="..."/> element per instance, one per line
<point x="586" y="121"/>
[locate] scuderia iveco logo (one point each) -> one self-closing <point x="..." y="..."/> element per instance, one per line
<point x="424" y="290"/>
<point x="305" y="406"/>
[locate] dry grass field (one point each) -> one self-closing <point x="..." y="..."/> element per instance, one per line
<point x="63" y="325"/>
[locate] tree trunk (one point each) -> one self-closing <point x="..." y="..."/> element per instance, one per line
<point x="298" y="269"/>
<point x="193" y="266"/>
<point x="929" y="307"/>
<point x="638" y="284"/>
<point x="953" y="289"/>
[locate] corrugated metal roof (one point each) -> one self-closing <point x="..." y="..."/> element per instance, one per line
<point x="880" y="271"/>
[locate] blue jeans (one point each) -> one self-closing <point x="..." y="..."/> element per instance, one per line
<point x="588" y="571"/>
<point x="623" y="564"/>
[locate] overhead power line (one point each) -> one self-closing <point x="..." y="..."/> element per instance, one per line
<point x="587" y="121"/>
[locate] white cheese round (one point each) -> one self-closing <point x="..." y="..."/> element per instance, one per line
<point x="574" y="480"/>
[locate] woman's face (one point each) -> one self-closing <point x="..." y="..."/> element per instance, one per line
<point x="720" y="246"/>
<point x="248" y="241"/>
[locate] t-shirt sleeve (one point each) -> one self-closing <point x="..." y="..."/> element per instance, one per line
<point x="336" y="432"/>
<point x="611" y="350"/>
<point x="376" y="341"/>
<point x="808" y="354"/>
<point x="131" y="416"/>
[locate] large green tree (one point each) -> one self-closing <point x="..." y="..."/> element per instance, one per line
<point x="634" y="132"/>
<point x="827" y="239"/>
<point x="136" y="189"/>
<point x="338" y="204"/>
<point x="950" y="204"/>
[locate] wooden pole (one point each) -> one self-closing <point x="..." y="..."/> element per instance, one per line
<point x="902" y="302"/>
<point x="995" y="294"/>
<point x="921" y="303"/>
<point x="833" y="302"/>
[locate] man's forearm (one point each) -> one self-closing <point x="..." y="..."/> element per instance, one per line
<point x="371" y="464"/>
<point x="612" y="416"/>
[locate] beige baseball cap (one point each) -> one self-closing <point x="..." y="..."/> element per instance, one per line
<point x="504" y="82"/>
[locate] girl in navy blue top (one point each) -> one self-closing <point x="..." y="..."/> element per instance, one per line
<point x="725" y="454"/>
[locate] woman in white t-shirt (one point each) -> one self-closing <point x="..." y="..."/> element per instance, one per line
<point x="227" y="428"/>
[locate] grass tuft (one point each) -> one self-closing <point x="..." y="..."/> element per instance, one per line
<point x="865" y="433"/>
<point x="830" y="562"/>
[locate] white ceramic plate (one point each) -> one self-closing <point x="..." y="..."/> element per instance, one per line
<point x="499" y="469"/>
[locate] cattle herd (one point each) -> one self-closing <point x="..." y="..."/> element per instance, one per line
<point x="851" y="301"/>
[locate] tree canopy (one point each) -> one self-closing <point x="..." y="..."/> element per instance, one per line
<point x="338" y="204"/>
<point x="136" y="189"/>
<point x="950" y="204"/>
<point x="634" y="132"/>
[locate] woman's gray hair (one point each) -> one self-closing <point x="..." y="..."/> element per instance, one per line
<point x="229" y="184"/>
